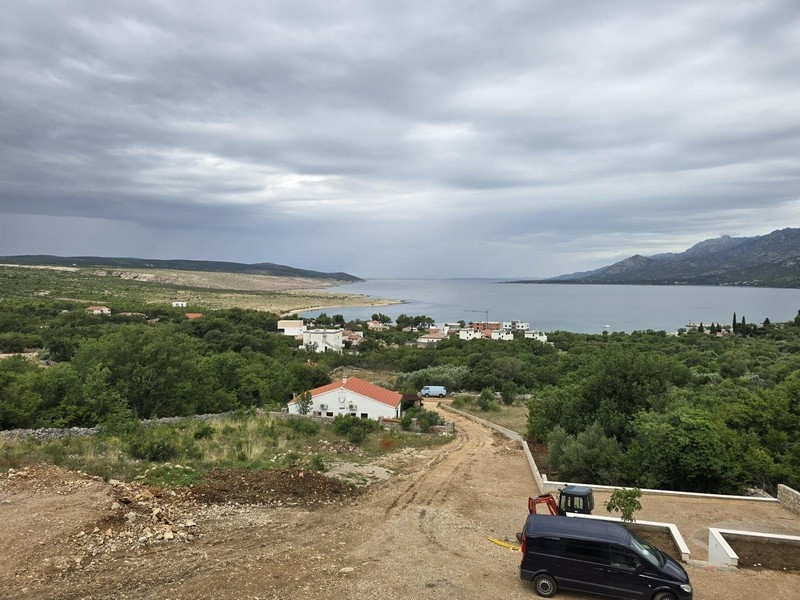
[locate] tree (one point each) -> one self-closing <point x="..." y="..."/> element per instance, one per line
<point x="683" y="449"/>
<point x="625" y="501"/>
<point x="735" y="324"/>
<point x="508" y="393"/>
<point x="304" y="403"/>
<point x="486" y="399"/>
<point x="381" y="318"/>
<point x="589" y="456"/>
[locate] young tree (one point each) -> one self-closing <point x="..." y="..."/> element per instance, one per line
<point x="304" y="403"/>
<point x="625" y="501"/>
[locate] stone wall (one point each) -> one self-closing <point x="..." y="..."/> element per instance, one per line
<point x="789" y="498"/>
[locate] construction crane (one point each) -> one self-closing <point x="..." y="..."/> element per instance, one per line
<point x="485" y="312"/>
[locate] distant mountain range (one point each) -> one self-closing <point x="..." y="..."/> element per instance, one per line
<point x="178" y="265"/>
<point x="771" y="260"/>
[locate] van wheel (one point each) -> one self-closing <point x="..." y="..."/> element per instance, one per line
<point x="545" y="586"/>
<point x="441" y="395"/>
<point x="664" y="596"/>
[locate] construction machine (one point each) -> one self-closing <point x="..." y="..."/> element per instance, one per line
<point x="571" y="499"/>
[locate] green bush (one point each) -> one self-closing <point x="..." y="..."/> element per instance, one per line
<point x="486" y="399"/>
<point x="353" y="428"/>
<point x="169" y="475"/>
<point x="425" y="419"/>
<point x="204" y="431"/>
<point x="303" y="425"/>
<point x="156" y="445"/>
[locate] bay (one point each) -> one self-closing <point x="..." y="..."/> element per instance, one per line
<point x="569" y="307"/>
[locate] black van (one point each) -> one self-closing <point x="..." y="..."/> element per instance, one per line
<point x="597" y="557"/>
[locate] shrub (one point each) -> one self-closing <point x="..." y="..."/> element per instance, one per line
<point x="303" y="426"/>
<point x="425" y="419"/>
<point x="486" y="398"/>
<point x="204" y="431"/>
<point x="317" y="463"/>
<point x="353" y="428"/>
<point x="156" y="445"/>
<point x="169" y="475"/>
<point x="458" y="402"/>
<point x="625" y="501"/>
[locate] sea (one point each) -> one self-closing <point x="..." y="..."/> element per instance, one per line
<point x="569" y="307"/>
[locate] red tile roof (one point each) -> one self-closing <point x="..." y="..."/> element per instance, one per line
<point x="364" y="388"/>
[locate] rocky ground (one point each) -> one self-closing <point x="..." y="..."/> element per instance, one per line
<point x="420" y="530"/>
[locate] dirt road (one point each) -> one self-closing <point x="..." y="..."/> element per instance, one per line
<point x="420" y="534"/>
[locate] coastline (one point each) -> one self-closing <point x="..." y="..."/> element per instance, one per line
<point x="347" y="301"/>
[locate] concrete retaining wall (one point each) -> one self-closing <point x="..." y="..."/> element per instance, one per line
<point x="720" y="551"/>
<point x="669" y="528"/>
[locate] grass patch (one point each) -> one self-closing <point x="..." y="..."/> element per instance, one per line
<point x="513" y="417"/>
<point x="182" y="453"/>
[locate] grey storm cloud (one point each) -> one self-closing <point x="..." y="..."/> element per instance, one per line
<point x="509" y="138"/>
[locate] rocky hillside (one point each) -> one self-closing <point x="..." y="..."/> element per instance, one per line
<point x="771" y="260"/>
<point x="179" y="265"/>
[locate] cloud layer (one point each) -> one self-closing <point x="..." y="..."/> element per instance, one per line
<point x="397" y="139"/>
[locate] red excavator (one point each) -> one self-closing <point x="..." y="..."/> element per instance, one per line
<point x="571" y="499"/>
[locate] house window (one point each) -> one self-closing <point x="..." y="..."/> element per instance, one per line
<point x="328" y="414"/>
<point x="364" y="416"/>
<point x="352" y="414"/>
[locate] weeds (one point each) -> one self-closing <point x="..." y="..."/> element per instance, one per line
<point x="179" y="454"/>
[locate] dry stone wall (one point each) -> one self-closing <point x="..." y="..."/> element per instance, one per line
<point x="789" y="498"/>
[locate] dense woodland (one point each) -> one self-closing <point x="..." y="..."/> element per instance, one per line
<point x="694" y="412"/>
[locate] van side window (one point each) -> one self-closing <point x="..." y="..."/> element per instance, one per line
<point x="546" y="545"/>
<point x="622" y="557"/>
<point x="596" y="552"/>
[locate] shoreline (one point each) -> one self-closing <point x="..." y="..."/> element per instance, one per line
<point x="363" y="304"/>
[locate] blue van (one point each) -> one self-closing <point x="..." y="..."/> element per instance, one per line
<point x="598" y="557"/>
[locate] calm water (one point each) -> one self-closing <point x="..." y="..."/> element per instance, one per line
<point x="577" y="308"/>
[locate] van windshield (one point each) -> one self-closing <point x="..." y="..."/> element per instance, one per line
<point x="646" y="549"/>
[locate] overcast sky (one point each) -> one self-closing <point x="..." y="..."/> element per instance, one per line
<point x="433" y="139"/>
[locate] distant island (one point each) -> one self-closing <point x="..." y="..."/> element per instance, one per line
<point x="268" y="269"/>
<point x="771" y="260"/>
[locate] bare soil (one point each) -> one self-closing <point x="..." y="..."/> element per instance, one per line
<point x="758" y="555"/>
<point x="421" y="532"/>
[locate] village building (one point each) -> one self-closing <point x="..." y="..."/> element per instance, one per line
<point x="501" y="334"/>
<point x="292" y="327"/>
<point x="98" y="310"/>
<point x="535" y="334"/>
<point x="468" y="333"/>
<point x="433" y="336"/>
<point x="352" y="396"/>
<point x="323" y="340"/>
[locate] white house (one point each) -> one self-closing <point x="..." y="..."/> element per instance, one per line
<point x="98" y="310"/>
<point x="431" y="338"/>
<point x="535" y="334"/>
<point x="179" y="304"/>
<point x="352" y="396"/>
<point x="502" y="334"/>
<point x="292" y="327"/>
<point x="468" y="333"/>
<point x="322" y="340"/>
<point x="516" y="325"/>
